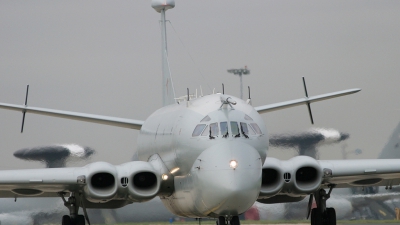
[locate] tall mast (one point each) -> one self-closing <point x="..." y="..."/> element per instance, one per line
<point x="168" y="92"/>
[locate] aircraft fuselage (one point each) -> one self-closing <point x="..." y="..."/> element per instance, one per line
<point x="197" y="140"/>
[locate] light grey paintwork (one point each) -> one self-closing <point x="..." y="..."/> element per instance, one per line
<point x="168" y="131"/>
<point x="204" y="185"/>
<point x="301" y="101"/>
<point x="204" y="177"/>
<point x="193" y="174"/>
<point x="107" y="120"/>
<point x="366" y="172"/>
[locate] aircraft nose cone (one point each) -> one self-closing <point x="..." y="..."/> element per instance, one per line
<point x="228" y="178"/>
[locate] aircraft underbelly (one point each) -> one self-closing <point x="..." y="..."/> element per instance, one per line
<point x="213" y="187"/>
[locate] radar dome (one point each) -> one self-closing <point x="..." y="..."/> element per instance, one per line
<point x="159" y="5"/>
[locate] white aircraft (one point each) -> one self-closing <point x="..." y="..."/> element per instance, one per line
<point x="203" y="157"/>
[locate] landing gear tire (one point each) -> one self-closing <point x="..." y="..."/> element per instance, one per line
<point x="331" y="216"/>
<point x="327" y="218"/>
<point x="235" y="220"/>
<point x="66" y="220"/>
<point x="80" y="220"/>
<point x="316" y="217"/>
<point x="221" y="220"/>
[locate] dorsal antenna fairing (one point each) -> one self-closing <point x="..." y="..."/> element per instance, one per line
<point x="168" y="92"/>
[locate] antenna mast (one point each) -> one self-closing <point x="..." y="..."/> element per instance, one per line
<point x="168" y="91"/>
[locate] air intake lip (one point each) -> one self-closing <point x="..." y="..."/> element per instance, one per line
<point x="101" y="181"/>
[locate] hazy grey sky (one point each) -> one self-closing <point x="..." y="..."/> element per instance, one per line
<point x="103" y="57"/>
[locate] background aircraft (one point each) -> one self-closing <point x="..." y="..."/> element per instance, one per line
<point x="306" y="143"/>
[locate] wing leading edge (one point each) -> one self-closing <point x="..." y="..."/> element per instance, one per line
<point x="303" y="101"/>
<point x="361" y="173"/>
<point x="107" y="120"/>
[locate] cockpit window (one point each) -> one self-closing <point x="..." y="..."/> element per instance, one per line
<point x="205" y="119"/>
<point x="198" y="129"/>
<point x="224" y="129"/>
<point x="246" y="117"/>
<point x="206" y="132"/>
<point x="214" y="129"/>
<point x="251" y="130"/>
<point x="256" y="128"/>
<point x="244" y="128"/>
<point x="235" y="129"/>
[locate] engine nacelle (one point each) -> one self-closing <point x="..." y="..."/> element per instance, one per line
<point x="142" y="180"/>
<point x="101" y="185"/>
<point x="296" y="177"/>
<point x="272" y="178"/>
<point x="307" y="176"/>
<point x="134" y="181"/>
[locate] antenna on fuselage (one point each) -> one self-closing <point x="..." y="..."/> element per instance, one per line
<point x="188" y="98"/>
<point x="168" y="92"/>
<point x="249" y="99"/>
<point x="223" y="89"/>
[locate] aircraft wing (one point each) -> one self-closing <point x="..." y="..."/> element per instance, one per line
<point x="39" y="182"/>
<point x="113" y="121"/>
<point x="98" y="182"/>
<point x="302" y="101"/>
<point x="361" y="173"/>
<point x="293" y="179"/>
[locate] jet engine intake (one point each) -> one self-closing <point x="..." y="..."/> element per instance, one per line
<point x="272" y="178"/>
<point x="305" y="176"/>
<point x="101" y="182"/>
<point x="144" y="180"/>
<point x="296" y="177"/>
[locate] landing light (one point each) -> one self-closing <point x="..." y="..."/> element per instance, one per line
<point x="174" y="170"/>
<point x="233" y="164"/>
<point x="164" y="177"/>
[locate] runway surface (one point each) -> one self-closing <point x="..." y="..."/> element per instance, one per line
<point x="208" y="222"/>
